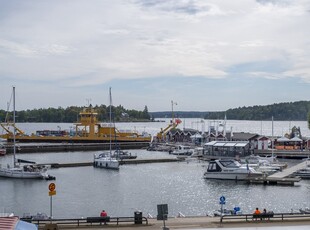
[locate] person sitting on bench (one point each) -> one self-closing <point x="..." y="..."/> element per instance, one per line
<point x="256" y="214"/>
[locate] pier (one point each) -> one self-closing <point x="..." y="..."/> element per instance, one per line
<point x="65" y="146"/>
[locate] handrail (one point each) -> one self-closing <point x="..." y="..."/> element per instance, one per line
<point x="83" y="221"/>
<point x="281" y="216"/>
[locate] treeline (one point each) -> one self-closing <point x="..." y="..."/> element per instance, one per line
<point x="179" y="114"/>
<point x="297" y="111"/>
<point x="71" y="114"/>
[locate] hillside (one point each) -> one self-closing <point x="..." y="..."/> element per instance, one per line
<point x="297" y="111"/>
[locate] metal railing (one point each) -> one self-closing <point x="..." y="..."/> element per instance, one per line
<point x="86" y="222"/>
<point x="276" y="216"/>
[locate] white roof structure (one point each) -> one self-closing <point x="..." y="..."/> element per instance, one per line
<point x="227" y="144"/>
<point x="283" y="139"/>
<point x="296" y="139"/>
<point x="197" y="135"/>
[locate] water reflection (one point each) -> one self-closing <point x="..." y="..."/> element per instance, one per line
<point x="85" y="191"/>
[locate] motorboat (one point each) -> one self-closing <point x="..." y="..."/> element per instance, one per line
<point x="106" y="159"/>
<point x="230" y="170"/>
<point x="30" y="171"/>
<point x="303" y="173"/>
<point x="255" y="159"/>
<point x="265" y="167"/>
<point x="122" y="155"/>
<point x="305" y="211"/>
<point x="183" y="150"/>
<point x="198" y="152"/>
<point x="2" y="150"/>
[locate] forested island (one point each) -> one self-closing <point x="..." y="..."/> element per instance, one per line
<point x="71" y="114"/>
<point x="288" y="111"/>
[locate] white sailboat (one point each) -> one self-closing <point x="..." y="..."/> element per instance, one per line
<point x="105" y="159"/>
<point x="31" y="171"/>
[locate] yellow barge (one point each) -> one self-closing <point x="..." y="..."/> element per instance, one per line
<point x="87" y="129"/>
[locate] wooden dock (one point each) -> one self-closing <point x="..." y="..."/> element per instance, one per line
<point x="281" y="177"/>
<point x="122" y="162"/>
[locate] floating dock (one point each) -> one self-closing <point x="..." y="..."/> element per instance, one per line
<point x="122" y="162"/>
<point x="274" y="181"/>
<point x="289" y="171"/>
<point x="289" y="154"/>
<point x="282" y="177"/>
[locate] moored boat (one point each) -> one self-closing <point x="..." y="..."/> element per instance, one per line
<point x="31" y="171"/>
<point x="183" y="150"/>
<point x="2" y="150"/>
<point x="303" y="173"/>
<point x="230" y="170"/>
<point x="105" y="159"/>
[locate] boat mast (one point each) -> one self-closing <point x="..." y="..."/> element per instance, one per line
<point x="110" y="96"/>
<point x="272" y="139"/>
<point x="14" y="129"/>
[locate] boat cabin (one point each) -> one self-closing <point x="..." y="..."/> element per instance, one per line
<point x="217" y="166"/>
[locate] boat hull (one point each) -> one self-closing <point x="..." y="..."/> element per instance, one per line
<point x="19" y="173"/>
<point x="230" y="176"/>
<point x="106" y="162"/>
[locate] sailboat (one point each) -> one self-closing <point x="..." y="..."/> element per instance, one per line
<point x="105" y="159"/>
<point x="31" y="171"/>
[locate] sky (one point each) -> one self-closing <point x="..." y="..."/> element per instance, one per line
<point x="202" y="55"/>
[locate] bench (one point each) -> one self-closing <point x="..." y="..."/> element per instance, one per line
<point x="263" y="216"/>
<point x="98" y="219"/>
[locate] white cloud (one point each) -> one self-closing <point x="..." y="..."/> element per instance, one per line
<point x="93" y="42"/>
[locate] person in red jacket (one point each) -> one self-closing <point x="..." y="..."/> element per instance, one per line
<point x="103" y="213"/>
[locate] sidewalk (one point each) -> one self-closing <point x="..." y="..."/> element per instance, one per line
<point x="203" y="223"/>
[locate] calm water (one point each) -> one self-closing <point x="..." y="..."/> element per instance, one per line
<point x="85" y="191"/>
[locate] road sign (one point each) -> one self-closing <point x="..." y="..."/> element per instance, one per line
<point x="222" y="199"/>
<point x="51" y="187"/>
<point x="52" y="193"/>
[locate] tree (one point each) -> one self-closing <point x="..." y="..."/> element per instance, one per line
<point x="309" y="120"/>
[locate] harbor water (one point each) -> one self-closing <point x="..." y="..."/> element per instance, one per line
<point x="85" y="191"/>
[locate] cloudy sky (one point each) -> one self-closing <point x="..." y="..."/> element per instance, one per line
<point x="206" y="55"/>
